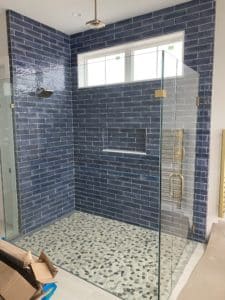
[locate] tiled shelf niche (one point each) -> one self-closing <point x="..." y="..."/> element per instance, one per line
<point x="125" y="140"/>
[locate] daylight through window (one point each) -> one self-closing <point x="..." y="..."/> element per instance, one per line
<point x="137" y="61"/>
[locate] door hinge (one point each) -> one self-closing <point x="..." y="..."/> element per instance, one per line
<point x="160" y="93"/>
<point x="12" y="105"/>
<point x="197" y="101"/>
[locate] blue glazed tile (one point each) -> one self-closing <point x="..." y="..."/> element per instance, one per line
<point x="33" y="48"/>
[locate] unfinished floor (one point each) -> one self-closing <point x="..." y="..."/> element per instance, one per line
<point x="207" y="280"/>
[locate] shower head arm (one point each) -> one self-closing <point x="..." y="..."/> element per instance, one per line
<point x="96" y="10"/>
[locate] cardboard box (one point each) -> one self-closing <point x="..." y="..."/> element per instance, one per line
<point x="43" y="270"/>
<point x="22" y="276"/>
<point x="20" y="256"/>
<point x="13" y="286"/>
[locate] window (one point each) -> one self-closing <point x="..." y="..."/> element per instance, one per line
<point x="132" y="62"/>
<point x="106" y="69"/>
<point x="145" y="64"/>
<point x="173" y="59"/>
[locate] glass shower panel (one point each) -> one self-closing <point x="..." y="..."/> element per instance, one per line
<point x="178" y="139"/>
<point x="117" y="153"/>
<point x="8" y="191"/>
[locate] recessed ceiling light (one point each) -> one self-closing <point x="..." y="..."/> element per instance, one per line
<point x="74" y="14"/>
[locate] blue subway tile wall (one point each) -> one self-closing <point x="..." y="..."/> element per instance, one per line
<point x="44" y="137"/>
<point x="123" y="186"/>
<point x="197" y="19"/>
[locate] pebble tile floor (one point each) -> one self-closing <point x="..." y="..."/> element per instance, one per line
<point x="115" y="256"/>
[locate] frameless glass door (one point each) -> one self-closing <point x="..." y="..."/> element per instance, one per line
<point x="178" y="139"/>
<point x="8" y="194"/>
<point x="118" y="170"/>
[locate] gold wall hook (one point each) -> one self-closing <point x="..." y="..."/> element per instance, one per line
<point x="197" y="101"/>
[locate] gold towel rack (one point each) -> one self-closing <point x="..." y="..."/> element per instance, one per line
<point x="222" y="178"/>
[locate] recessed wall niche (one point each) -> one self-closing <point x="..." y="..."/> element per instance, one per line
<point x="125" y="140"/>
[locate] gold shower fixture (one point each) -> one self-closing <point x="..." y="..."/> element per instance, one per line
<point x="160" y="93"/>
<point x="95" y="23"/>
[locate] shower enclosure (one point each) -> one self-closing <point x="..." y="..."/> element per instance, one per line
<point x="143" y="170"/>
<point x="135" y="167"/>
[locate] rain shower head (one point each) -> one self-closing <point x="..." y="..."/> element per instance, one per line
<point x="95" y="23"/>
<point x="43" y="93"/>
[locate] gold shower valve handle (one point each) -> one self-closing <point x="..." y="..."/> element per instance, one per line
<point x="171" y="185"/>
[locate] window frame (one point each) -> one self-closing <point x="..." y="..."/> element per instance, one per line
<point x="128" y="49"/>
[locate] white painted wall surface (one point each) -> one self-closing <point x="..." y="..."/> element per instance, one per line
<point x="4" y="72"/>
<point x="4" y="60"/>
<point x="217" y="115"/>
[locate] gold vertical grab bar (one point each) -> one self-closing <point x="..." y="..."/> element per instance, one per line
<point x="222" y="178"/>
<point x="171" y="187"/>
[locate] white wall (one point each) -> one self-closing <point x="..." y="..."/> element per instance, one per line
<point x="6" y="139"/>
<point x="217" y="115"/>
<point x="4" y="60"/>
<point x="4" y="72"/>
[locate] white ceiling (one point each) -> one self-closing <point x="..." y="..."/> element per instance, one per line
<point x="59" y="13"/>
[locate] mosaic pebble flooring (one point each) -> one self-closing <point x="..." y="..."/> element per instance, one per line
<point x="118" y="257"/>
